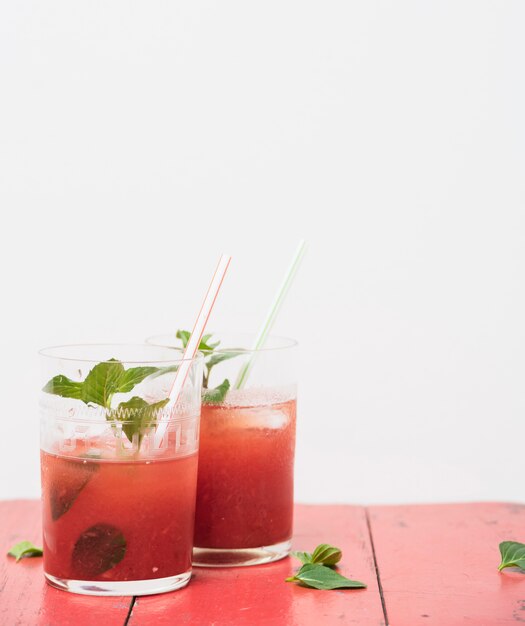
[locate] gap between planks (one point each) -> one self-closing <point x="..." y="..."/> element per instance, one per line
<point x="380" y="586"/>
<point x="131" y="605"/>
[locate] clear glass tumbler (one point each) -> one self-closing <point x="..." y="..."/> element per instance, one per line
<point x="244" y="511"/>
<point x="119" y="468"/>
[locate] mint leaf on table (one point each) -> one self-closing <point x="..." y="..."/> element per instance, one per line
<point x="98" y="549"/>
<point x="322" y="577"/>
<point x="217" y="395"/>
<point x="512" y="555"/>
<point x="137" y="415"/>
<point x="304" y="557"/>
<point x="24" y="549"/>
<point x="317" y="570"/>
<point x="324" y="554"/>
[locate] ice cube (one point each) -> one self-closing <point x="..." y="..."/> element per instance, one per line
<point x="261" y="417"/>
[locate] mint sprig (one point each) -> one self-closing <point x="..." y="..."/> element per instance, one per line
<point x="137" y="415"/>
<point x="322" y="577"/>
<point x="324" y="554"/>
<point x="211" y="358"/>
<point x="24" y="549"/>
<point x="318" y="572"/>
<point x="512" y="555"/>
<point x="217" y="395"/>
<point x="102" y="383"/>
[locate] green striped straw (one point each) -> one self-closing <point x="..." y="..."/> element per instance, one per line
<point x="272" y="314"/>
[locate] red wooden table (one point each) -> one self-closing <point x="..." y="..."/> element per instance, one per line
<point x="424" y="564"/>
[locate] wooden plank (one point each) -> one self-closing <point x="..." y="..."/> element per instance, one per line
<point x="259" y="595"/>
<point x="25" y="598"/>
<point x="438" y="563"/>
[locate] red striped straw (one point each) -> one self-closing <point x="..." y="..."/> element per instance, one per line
<point x="193" y="343"/>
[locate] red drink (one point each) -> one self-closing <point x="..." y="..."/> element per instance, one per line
<point x="116" y="520"/>
<point x="245" y="478"/>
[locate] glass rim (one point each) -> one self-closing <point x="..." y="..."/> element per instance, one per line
<point x="53" y="352"/>
<point x="288" y="342"/>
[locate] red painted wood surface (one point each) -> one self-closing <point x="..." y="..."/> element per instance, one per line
<point x="438" y="564"/>
<point x="25" y="598"/>
<point x="259" y="596"/>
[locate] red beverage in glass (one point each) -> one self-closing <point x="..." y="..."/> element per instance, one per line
<point x="107" y="520"/>
<point x="245" y="477"/>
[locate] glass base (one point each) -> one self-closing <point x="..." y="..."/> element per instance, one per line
<point x="240" y="557"/>
<point x="121" y="587"/>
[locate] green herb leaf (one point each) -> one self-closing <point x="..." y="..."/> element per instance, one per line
<point x="65" y="489"/>
<point x="512" y="555"/>
<point x="211" y="358"/>
<point x="324" y="554"/>
<point x="204" y="345"/>
<point x="164" y="370"/>
<point x="218" y="357"/>
<point x="184" y="336"/>
<point x="24" y="549"/>
<point x="133" y="376"/>
<point x="304" y="557"/>
<point x="102" y="382"/>
<point x="322" y="577"/>
<point x="217" y="395"/>
<point x="137" y="415"/>
<point x="63" y="386"/>
<point x="98" y="549"/>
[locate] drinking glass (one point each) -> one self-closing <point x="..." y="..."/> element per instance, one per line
<point x="119" y="468"/>
<point x="244" y="511"/>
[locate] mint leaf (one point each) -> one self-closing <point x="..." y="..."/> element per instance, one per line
<point x="212" y="358"/>
<point x="512" y="555"/>
<point x="98" y="549"/>
<point x="63" y="386"/>
<point x="217" y="395"/>
<point x="304" y="557"/>
<point x="65" y="488"/>
<point x="218" y="357"/>
<point x="164" y="370"/>
<point x="322" y="577"/>
<point x="324" y="554"/>
<point x="184" y="336"/>
<point x="205" y="343"/>
<point x="133" y="376"/>
<point x="102" y="382"/>
<point x="24" y="549"/>
<point x="137" y="415"/>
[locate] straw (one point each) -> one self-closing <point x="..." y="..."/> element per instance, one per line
<point x="193" y="343"/>
<point x="272" y="313"/>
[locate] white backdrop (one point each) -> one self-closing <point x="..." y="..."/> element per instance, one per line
<point x="138" y="140"/>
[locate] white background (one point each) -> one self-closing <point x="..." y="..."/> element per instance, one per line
<point x="138" y="140"/>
